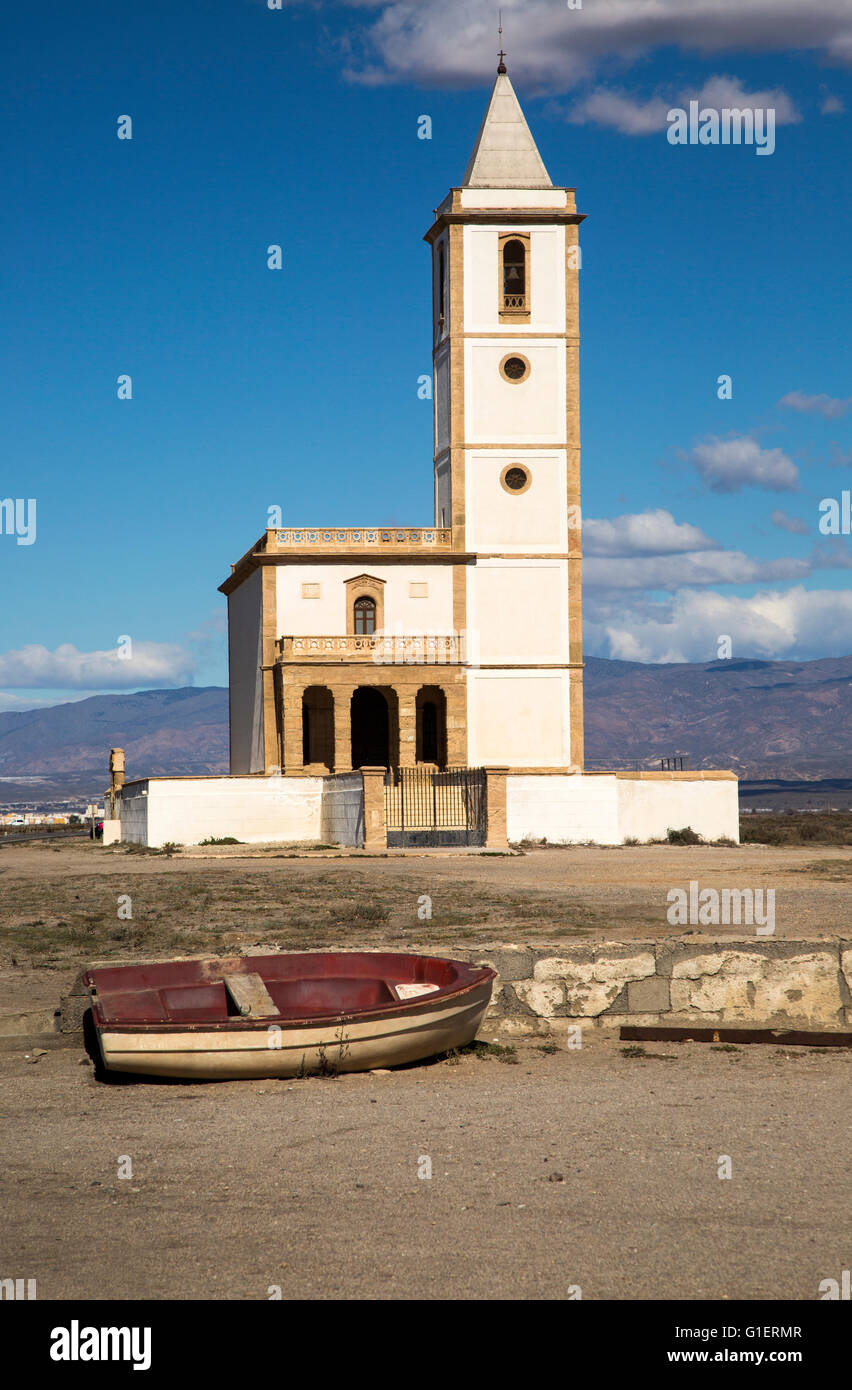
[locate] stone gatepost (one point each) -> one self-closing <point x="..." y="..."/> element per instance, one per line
<point x="375" y="829"/>
<point x="495" y="807"/>
<point x="116" y="781"/>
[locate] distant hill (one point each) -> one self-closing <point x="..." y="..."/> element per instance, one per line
<point x="763" y="719"/>
<point x="178" y="731"/>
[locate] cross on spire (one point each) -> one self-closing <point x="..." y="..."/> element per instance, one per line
<point x="501" y="66"/>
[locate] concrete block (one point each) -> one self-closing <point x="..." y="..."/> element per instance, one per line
<point x="510" y="962"/>
<point x="648" y="996"/>
<point x="543" y="998"/>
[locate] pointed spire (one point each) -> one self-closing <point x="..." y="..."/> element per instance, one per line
<point x="505" y="154"/>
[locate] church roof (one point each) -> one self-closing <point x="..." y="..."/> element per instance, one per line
<point x="505" y="154"/>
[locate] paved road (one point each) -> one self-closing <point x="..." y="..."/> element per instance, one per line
<point x="27" y="835"/>
<point x="313" y="1185"/>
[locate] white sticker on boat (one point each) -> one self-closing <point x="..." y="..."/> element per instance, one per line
<point x="412" y="991"/>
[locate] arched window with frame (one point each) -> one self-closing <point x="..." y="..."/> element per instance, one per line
<point x="365" y="616"/>
<point x="514" y="302"/>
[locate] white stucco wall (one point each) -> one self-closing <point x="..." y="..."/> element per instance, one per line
<point x="513" y="197"/>
<point x="187" y="810"/>
<point x="482" y="286"/>
<point x="562" y="810"/>
<point x="518" y="611"/>
<point x="441" y="392"/>
<point x="325" y="616"/>
<point x="522" y="412"/>
<point x="518" y="719"/>
<point x="608" y="809"/>
<point x="245" y="612"/>
<point x="648" y="809"/>
<point x="506" y="522"/>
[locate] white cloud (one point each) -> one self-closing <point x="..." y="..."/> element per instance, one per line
<point x="651" y="551"/>
<point x="550" y="46"/>
<point x="729" y="465"/>
<point x="720" y="92"/>
<point x="66" y="668"/>
<point x="679" y="571"/>
<point x="793" y="524"/>
<point x="829" y="407"/>
<point x="831" y="105"/>
<point x="644" y="533"/>
<point x="803" y="624"/>
<point x="633" y="116"/>
<point x="618" y="111"/>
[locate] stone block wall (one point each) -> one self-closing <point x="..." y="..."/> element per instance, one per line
<point x="783" y="984"/>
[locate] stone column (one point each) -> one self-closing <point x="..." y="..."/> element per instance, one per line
<point x="342" y="727"/>
<point x="375" y="830"/>
<point x="116" y="768"/>
<point x="457" y="755"/>
<point x="407" y="728"/>
<point x="116" y="781"/>
<point x="495" y="808"/>
<point x="292" y="703"/>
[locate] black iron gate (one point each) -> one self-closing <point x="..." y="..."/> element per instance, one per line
<point x="424" y="807"/>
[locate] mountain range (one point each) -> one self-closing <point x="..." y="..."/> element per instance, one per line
<point x="787" y="720"/>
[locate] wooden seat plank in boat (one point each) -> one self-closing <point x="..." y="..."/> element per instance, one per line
<point x="251" y="996"/>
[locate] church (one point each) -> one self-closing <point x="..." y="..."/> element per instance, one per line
<point x="443" y="660"/>
<point x="457" y="643"/>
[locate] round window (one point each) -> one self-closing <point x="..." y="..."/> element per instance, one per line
<point x="514" y="367"/>
<point x="515" y="479"/>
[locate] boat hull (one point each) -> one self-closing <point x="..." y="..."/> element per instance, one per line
<point x="226" y="1054"/>
<point x="409" y="1031"/>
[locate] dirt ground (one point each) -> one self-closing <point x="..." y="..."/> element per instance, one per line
<point x="552" y="1169"/>
<point x="586" y="1169"/>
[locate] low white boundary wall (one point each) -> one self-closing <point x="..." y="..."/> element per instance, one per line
<point x="609" y="808"/>
<point x="342" y="819"/>
<point x="253" y="809"/>
<point x="602" y="808"/>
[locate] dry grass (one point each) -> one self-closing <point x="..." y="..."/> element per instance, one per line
<point x="835" y="870"/>
<point x="210" y="908"/>
<point x="798" y="828"/>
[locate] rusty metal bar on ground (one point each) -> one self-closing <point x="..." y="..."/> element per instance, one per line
<point x="789" y="1038"/>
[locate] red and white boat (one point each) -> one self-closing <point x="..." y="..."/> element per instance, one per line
<point x="284" y="1015"/>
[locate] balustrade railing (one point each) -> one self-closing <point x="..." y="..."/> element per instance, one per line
<point x="383" y="649"/>
<point x="382" y="537"/>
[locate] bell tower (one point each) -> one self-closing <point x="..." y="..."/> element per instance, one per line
<point x="505" y="263"/>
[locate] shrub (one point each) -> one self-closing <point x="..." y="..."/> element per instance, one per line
<point x="686" y="836"/>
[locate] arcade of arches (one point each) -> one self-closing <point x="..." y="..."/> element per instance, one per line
<point x="341" y="726"/>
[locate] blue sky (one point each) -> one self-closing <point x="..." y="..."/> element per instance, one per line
<point x="253" y="387"/>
